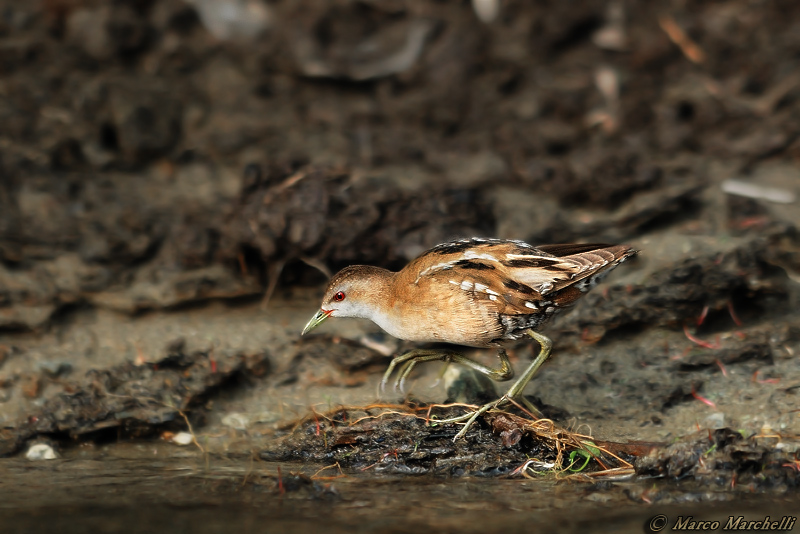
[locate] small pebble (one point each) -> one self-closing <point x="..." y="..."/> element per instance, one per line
<point x="486" y="10"/>
<point x="182" y="438"/>
<point x="41" y="451"/>
<point x="236" y="420"/>
<point x="715" y="420"/>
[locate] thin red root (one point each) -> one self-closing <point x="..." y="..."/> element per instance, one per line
<point x="702" y="399"/>
<point x="732" y="312"/>
<point x="705" y="344"/>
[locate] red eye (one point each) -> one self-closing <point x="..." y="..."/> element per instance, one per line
<point x="338" y="297"/>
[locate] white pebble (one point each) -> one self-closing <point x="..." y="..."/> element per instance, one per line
<point x="239" y="421"/>
<point x="41" y="451"/>
<point x="715" y="420"/>
<point x="182" y="438"/>
<point x="487" y="11"/>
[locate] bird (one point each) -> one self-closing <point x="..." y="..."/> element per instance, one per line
<point x="473" y="292"/>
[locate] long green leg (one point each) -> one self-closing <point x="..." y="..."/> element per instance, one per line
<point x="514" y="391"/>
<point x="410" y="359"/>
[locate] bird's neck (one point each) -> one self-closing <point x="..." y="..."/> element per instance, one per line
<point x="375" y="292"/>
<point x="383" y="287"/>
<point x="379" y="305"/>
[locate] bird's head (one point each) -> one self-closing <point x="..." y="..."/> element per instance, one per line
<point x="352" y="292"/>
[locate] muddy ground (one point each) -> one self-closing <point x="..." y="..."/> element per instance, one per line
<point x="163" y="171"/>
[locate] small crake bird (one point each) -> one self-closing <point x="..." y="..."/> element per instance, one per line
<point x="473" y="292"/>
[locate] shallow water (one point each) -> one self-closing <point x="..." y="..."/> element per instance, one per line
<point x="156" y="487"/>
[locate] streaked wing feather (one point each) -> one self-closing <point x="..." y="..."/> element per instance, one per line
<point x="516" y="278"/>
<point x="561" y="250"/>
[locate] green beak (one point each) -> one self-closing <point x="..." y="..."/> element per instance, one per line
<point x="315" y="321"/>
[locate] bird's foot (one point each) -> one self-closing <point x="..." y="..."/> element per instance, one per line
<point x="471" y="417"/>
<point x="407" y="362"/>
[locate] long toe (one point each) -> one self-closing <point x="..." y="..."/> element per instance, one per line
<point x="477" y="413"/>
<point x="400" y="385"/>
<point x="384" y="381"/>
<point x="403" y="375"/>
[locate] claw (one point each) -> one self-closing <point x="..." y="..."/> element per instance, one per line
<point x="401" y="383"/>
<point x="398" y="383"/>
<point x="384" y="380"/>
<point x="382" y="387"/>
<point x="404" y="373"/>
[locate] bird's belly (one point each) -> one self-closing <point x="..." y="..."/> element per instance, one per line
<point x="472" y="327"/>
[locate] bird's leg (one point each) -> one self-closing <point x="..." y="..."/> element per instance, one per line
<point x="544" y="353"/>
<point x="410" y="359"/>
<point x="515" y="390"/>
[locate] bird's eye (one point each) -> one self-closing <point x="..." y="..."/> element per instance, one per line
<point x="339" y="297"/>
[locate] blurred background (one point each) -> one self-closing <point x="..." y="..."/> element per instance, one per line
<point x="155" y="152"/>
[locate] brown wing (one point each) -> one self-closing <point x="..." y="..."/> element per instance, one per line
<point x="584" y="262"/>
<point x="515" y="278"/>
